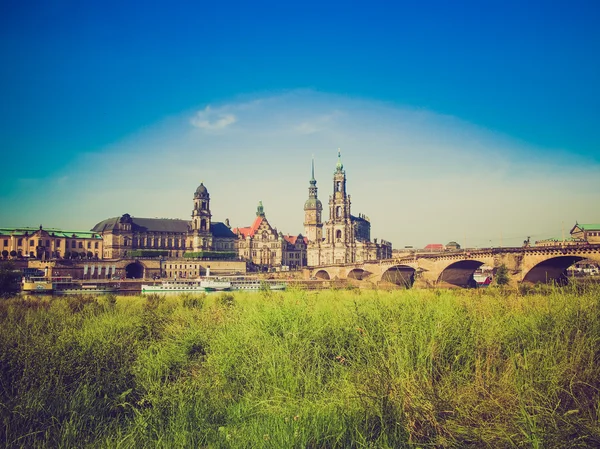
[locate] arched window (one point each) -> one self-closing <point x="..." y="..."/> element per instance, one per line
<point x="338" y="212"/>
<point x="338" y="234"/>
<point x="203" y="225"/>
<point x="338" y="186"/>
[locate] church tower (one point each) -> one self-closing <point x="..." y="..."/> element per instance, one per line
<point x="339" y="229"/>
<point x="201" y="235"/>
<point x="313" y="227"/>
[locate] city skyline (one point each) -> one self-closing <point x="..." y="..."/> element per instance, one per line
<point x="476" y="124"/>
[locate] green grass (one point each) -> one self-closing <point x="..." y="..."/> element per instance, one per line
<point x="347" y="369"/>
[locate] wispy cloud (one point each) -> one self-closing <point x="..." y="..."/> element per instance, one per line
<point x="210" y="120"/>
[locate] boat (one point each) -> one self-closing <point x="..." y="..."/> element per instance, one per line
<point x="64" y="285"/>
<point x="43" y="284"/>
<point x="482" y="280"/>
<point x="188" y="285"/>
<point x="253" y="284"/>
<point x="86" y="289"/>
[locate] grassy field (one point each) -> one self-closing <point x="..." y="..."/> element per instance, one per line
<point x="327" y="369"/>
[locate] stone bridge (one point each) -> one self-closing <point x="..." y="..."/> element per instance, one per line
<point x="456" y="268"/>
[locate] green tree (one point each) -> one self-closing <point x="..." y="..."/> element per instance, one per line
<point x="9" y="279"/>
<point x="13" y="253"/>
<point x="502" y="275"/>
<point x="5" y="254"/>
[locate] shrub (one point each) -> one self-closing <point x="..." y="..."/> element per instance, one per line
<point x="502" y="275"/>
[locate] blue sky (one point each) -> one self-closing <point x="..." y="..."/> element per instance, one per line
<point x="457" y="120"/>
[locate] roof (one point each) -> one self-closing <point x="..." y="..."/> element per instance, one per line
<point x="589" y="227"/>
<point x="219" y="229"/>
<point x="173" y="225"/>
<point x="249" y="231"/>
<point x="434" y="246"/>
<point x="146" y="225"/>
<point x="52" y="231"/>
<point x="292" y="239"/>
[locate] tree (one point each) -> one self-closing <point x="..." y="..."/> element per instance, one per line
<point x="4" y="254"/>
<point x="502" y="275"/>
<point x="89" y="255"/>
<point x="9" y="279"/>
<point x="13" y="253"/>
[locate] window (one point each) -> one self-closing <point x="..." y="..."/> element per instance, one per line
<point x="73" y="244"/>
<point x="48" y="243"/>
<point x="20" y="242"/>
<point x="31" y="243"/>
<point x="338" y="234"/>
<point x="89" y="245"/>
<point x="96" y="245"/>
<point x="5" y="242"/>
<point x="81" y="245"/>
<point x="58" y="243"/>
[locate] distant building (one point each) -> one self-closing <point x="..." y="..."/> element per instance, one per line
<point x="50" y="243"/>
<point x="262" y="245"/>
<point x="589" y="233"/>
<point x="558" y="242"/>
<point x="344" y="238"/>
<point x="434" y="248"/>
<point x="128" y="236"/>
<point x="452" y="246"/>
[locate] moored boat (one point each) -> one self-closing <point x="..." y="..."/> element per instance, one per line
<point x="188" y="285"/>
<point x="43" y="284"/>
<point x="253" y="284"/>
<point x="86" y="289"/>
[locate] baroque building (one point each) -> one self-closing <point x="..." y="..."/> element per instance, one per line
<point x="50" y="243"/>
<point x="263" y="246"/>
<point x="344" y="238"/>
<point x="128" y="236"/>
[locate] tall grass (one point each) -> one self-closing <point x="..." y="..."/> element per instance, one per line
<point x="414" y="368"/>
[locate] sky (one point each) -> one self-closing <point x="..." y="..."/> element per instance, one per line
<point x="468" y="121"/>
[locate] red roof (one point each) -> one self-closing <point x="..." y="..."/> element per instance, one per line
<point x="292" y="239"/>
<point x="435" y="246"/>
<point x="249" y="230"/>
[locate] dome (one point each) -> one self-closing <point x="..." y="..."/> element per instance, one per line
<point x="201" y="190"/>
<point x="313" y="203"/>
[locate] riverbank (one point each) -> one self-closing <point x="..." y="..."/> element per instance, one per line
<point x="332" y="368"/>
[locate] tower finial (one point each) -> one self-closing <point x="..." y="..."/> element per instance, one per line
<point x="260" y="210"/>
<point x="312" y="173"/>
<point x="339" y="166"/>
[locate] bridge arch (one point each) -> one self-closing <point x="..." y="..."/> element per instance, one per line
<point x="402" y="275"/>
<point x="460" y="273"/>
<point x="358" y="274"/>
<point x="322" y="274"/>
<point x="551" y="270"/>
<point x="134" y="270"/>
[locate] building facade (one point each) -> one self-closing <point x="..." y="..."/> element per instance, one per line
<point x="344" y="238"/>
<point x="50" y="243"/>
<point x="128" y="236"/>
<point x="263" y="246"/>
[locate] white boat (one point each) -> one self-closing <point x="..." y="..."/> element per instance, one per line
<point x="86" y="289"/>
<point x="188" y="285"/>
<point x="253" y="284"/>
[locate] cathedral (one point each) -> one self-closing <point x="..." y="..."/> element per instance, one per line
<point x="344" y="238"/>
